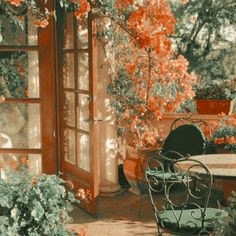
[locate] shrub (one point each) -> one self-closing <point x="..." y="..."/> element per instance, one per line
<point x="34" y="205"/>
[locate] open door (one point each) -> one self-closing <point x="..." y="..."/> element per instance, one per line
<point x="76" y="89"/>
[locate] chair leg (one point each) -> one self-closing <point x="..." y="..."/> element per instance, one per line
<point x="141" y="200"/>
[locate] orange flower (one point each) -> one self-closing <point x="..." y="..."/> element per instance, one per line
<point x="81" y="194"/>
<point x="21" y="18"/>
<point x="15" y="2"/>
<point x="13" y="164"/>
<point x="124" y="4"/>
<point x="83" y="10"/>
<point x="141" y="109"/>
<point x="20" y="69"/>
<point x="2" y="99"/>
<point x="131" y="68"/>
<point x="24" y="160"/>
<point x="169" y="107"/>
<point x="230" y="140"/>
<point x="219" y="141"/>
<point x="82" y="232"/>
<point x="34" y="181"/>
<point x="41" y="23"/>
<point x="184" y="1"/>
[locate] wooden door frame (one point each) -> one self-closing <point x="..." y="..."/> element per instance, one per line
<point x="48" y="67"/>
<point x="91" y="208"/>
<point x="46" y="49"/>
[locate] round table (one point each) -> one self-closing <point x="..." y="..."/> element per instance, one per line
<point x="222" y="167"/>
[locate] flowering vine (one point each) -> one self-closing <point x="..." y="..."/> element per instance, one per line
<point x="148" y="77"/>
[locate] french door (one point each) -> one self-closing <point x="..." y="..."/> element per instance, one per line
<point x="76" y="89"/>
<point x="27" y="78"/>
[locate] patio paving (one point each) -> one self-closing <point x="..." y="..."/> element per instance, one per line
<point x="119" y="216"/>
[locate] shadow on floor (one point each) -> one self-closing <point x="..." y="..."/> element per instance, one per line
<point x="118" y="216"/>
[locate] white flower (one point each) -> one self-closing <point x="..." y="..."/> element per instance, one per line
<point x="13" y="213"/>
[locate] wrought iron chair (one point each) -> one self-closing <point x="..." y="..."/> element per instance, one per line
<point x="186" y="137"/>
<point x="178" y="206"/>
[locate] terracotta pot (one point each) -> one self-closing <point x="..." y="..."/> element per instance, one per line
<point x="220" y="150"/>
<point x="214" y="106"/>
<point x="134" y="170"/>
<point x="134" y="175"/>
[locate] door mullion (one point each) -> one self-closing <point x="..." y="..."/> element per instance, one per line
<point x="76" y="85"/>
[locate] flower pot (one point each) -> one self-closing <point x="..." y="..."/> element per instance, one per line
<point x="134" y="174"/>
<point x="134" y="170"/>
<point x="220" y="150"/>
<point x="214" y="106"/>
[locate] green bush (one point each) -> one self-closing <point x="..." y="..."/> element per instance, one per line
<point x="34" y="205"/>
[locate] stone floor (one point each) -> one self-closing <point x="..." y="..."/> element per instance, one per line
<point x="118" y="216"/>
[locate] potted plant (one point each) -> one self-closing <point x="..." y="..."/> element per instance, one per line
<point x="223" y="135"/>
<point x="34" y="205"/>
<point x="215" y="96"/>
<point x="148" y="78"/>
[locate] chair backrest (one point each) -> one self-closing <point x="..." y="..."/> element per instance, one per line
<point x="187" y="139"/>
<point x="179" y="192"/>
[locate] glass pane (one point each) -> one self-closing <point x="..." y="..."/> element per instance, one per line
<point x="68" y="71"/>
<point x="82" y="35"/>
<point x="68" y="32"/>
<point x="11" y="34"/>
<point x="69" y="141"/>
<point x="83" y="155"/>
<point x="69" y="108"/>
<point x="16" y="161"/>
<point x="83" y="71"/>
<point x="19" y="74"/>
<point x="83" y="112"/>
<point x="20" y="126"/>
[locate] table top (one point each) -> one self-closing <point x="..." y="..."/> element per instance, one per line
<point x="220" y="165"/>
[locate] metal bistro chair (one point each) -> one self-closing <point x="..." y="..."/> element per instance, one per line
<point x="180" y="208"/>
<point x="186" y="137"/>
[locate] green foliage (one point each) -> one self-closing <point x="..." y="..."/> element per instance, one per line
<point x="34" y="205"/>
<point x="216" y="89"/>
<point x="13" y="75"/>
<point x="226" y="226"/>
<point x="205" y="36"/>
<point x="223" y="135"/>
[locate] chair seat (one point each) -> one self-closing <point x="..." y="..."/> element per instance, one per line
<point x="188" y="222"/>
<point x="161" y="175"/>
